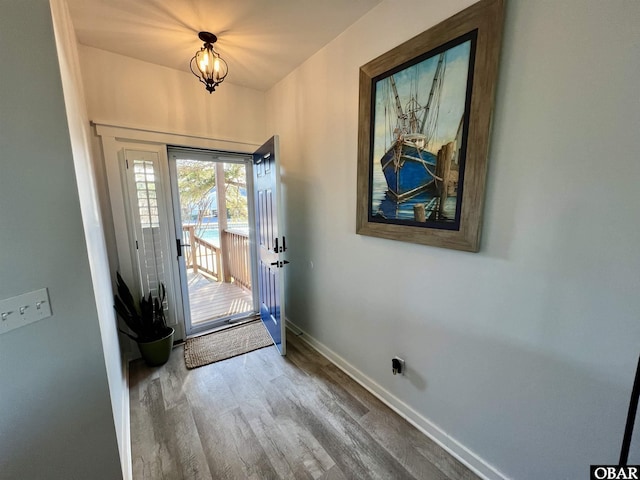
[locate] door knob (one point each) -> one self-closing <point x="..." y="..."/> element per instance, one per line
<point x="279" y="264"/>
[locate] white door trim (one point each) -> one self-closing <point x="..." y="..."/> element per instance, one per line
<point x="176" y="139"/>
<point x="114" y="140"/>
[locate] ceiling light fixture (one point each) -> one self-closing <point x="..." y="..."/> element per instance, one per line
<point x="207" y="64"/>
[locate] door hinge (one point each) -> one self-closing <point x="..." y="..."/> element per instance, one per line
<point x="127" y="163"/>
<point x="137" y="245"/>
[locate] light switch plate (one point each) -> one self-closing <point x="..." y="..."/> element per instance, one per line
<point x="16" y="312"/>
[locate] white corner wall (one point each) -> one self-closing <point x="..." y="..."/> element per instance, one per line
<point x="80" y="137"/>
<point x="523" y="354"/>
<point x="56" y="421"/>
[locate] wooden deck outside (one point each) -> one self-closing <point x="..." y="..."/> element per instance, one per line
<point x="210" y="299"/>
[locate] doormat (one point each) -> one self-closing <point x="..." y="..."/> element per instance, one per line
<point x="225" y="344"/>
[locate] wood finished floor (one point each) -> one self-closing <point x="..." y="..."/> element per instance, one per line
<point x="263" y="416"/>
<point x="209" y="299"/>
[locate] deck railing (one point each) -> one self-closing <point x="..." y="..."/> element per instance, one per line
<point x="203" y="256"/>
<point x="239" y="259"/>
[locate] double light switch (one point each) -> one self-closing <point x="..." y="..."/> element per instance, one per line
<point x="16" y="312"/>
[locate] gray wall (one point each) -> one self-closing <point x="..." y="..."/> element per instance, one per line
<point x="523" y="353"/>
<point x="56" y="419"/>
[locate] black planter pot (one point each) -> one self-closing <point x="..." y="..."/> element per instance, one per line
<point x="157" y="352"/>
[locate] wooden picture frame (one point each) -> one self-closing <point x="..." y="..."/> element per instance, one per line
<point x="416" y="183"/>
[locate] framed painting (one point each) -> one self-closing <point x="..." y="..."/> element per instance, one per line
<point x="423" y="132"/>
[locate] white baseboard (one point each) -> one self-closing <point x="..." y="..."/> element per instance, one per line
<point x="474" y="462"/>
<point x="126" y="459"/>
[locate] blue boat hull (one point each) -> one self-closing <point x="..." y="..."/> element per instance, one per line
<point x="411" y="174"/>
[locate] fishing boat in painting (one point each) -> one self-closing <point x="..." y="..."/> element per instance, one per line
<point x="409" y="167"/>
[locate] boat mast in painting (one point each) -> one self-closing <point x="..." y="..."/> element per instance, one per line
<point x="408" y="166"/>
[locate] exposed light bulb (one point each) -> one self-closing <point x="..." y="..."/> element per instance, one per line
<point x="204" y="62"/>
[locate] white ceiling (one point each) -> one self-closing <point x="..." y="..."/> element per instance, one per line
<point x="261" y="40"/>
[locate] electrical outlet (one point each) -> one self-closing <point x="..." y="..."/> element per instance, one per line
<point x="16" y="312"/>
<point x="397" y="366"/>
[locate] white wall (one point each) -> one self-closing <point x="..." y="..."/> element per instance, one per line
<point x="124" y="91"/>
<point x="71" y="76"/>
<point x="525" y="352"/>
<point x="56" y="420"/>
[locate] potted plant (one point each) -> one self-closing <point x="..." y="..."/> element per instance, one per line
<point x="146" y="320"/>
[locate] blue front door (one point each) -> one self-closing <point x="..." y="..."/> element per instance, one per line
<point x="271" y="242"/>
